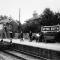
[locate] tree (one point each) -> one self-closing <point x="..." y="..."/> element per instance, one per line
<point x="57" y="18"/>
<point x="47" y="17"/>
<point x="3" y="17"/>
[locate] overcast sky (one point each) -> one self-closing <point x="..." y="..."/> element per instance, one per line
<point x="11" y="7"/>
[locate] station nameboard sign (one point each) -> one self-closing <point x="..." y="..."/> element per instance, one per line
<point x="55" y="28"/>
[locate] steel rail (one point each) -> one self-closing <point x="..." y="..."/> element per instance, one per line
<point x="18" y="57"/>
<point x="33" y="55"/>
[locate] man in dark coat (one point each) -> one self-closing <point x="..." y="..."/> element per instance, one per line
<point x="21" y="34"/>
<point x="41" y="37"/>
<point x="30" y="35"/>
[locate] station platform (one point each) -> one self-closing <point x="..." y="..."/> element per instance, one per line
<point x="50" y="46"/>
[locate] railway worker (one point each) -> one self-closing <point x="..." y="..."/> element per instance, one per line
<point x="30" y="35"/>
<point x="21" y="34"/>
<point x="11" y="34"/>
<point x="10" y="40"/>
<point x="5" y="29"/>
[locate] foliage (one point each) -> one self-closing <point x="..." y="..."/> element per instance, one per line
<point x="47" y="17"/>
<point x="50" y="18"/>
<point x="15" y="24"/>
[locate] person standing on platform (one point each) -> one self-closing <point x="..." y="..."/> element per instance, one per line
<point x="21" y="35"/>
<point x="41" y="38"/>
<point x="11" y="36"/>
<point x="30" y="35"/>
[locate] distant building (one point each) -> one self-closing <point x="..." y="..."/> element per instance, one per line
<point x="35" y="16"/>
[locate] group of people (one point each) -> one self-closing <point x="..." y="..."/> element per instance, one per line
<point x="30" y="35"/>
<point x="40" y="38"/>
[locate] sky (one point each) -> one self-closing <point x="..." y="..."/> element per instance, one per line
<point x="27" y="7"/>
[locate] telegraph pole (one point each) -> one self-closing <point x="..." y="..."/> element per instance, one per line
<point x="19" y="21"/>
<point x="19" y="15"/>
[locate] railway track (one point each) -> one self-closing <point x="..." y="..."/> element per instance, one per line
<point x="20" y="55"/>
<point x="33" y="55"/>
<point x="14" y="55"/>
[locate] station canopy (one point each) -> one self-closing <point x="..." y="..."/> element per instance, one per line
<point x="5" y="21"/>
